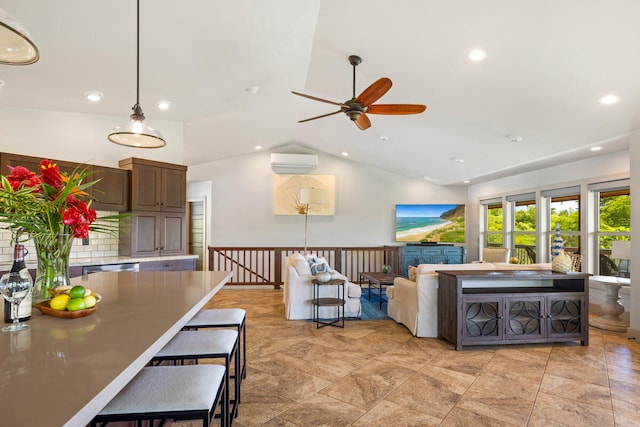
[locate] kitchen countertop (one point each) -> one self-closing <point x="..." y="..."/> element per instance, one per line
<point x="61" y="372"/>
<point x="80" y="262"/>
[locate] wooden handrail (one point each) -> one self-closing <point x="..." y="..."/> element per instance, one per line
<point x="265" y="265"/>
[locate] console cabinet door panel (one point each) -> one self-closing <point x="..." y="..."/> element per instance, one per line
<point x="482" y="318"/>
<point x="525" y="319"/>
<point x="566" y="316"/>
<point x="145" y="234"/>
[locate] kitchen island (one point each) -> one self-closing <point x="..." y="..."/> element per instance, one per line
<point x="64" y="371"/>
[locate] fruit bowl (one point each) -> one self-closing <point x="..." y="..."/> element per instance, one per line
<point x="46" y="309"/>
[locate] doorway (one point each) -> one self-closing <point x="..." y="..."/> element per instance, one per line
<point x="196" y="241"/>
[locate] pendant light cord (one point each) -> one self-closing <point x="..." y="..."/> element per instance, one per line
<point x="138" y="54"/>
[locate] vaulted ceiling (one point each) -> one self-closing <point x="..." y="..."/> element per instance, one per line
<point x="532" y="102"/>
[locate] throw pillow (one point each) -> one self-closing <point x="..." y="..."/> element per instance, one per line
<point x="413" y="273"/>
<point x="318" y="265"/>
<point x="300" y="264"/>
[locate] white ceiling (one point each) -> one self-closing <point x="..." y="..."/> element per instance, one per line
<point x="548" y="63"/>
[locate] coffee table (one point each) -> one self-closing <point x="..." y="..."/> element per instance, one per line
<point x="378" y="280"/>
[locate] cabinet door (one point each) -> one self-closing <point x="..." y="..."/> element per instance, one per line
<point x="482" y="318"/>
<point x="524" y="318"/>
<point x="146" y="188"/>
<point x="566" y="316"/>
<point x="145" y="234"/>
<point x="173" y="235"/>
<point x="174" y="186"/>
<point x="111" y="192"/>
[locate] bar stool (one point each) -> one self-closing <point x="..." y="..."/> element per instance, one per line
<point x="223" y="318"/>
<point x="169" y="392"/>
<point x="216" y="344"/>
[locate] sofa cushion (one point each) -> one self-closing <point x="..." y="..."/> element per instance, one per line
<point x="353" y="290"/>
<point x="538" y="266"/>
<point x="301" y="265"/>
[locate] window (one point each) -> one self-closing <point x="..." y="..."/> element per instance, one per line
<point x="564" y="213"/>
<point x="524" y="227"/>
<point x="614" y="223"/>
<point x="491" y="223"/>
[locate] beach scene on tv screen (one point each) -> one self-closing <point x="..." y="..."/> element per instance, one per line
<point x="430" y="223"/>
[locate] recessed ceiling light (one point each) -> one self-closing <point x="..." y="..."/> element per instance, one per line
<point x="2" y="83"/>
<point x="258" y="147"/>
<point x="459" y="160"/>
<point x="345" y="154"/>
<point x="383" y="137"/>
<point x="253" y="90"/>
<point x="93" y="96"/>
<point x="609" y="99"/>
<point x="477" y="55"/>
<point x="515" y="139"/>
<point x="163" y="105"/>
<point x="466" y="181"/>
<point x="597" y="148"/>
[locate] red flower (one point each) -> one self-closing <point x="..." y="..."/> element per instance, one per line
<point x="23" y="177"/>
<point x="78" y="216"/>
<point x="51" y="174"/>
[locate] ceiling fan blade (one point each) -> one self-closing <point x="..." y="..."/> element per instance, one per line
<point x="319" y="117"/>
<point x="319" y="99"/>
<point x="396" y="109"/>
<point x="374" y="92"/>
<point x="363" y="122"/>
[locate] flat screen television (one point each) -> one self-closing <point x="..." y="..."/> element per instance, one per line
<point x="430" y="223"/>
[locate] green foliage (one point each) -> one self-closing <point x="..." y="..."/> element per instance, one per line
<point x="494" y="219"/>
<point x="615" y="213"/>
<point x="525" y="219"/>
<point x="453" y="232"/>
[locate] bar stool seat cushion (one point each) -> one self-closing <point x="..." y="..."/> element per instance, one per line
<point x="199" y="343"/>
<point x="217" y="317"/>
<point x="166" y="389"/>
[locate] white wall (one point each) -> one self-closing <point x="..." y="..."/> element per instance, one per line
<point x="242" y="191"/>
<point x="79" y="138"/>
<point x="634" y="150"/>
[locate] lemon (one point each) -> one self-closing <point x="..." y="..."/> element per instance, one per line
<point x="90" y="301"/>
<point x="77" y="292"/>
<point x="76" y="304"/>
<point x="59" y="302"/>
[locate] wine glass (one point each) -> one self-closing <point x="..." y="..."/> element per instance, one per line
<point x="15" y="287"/>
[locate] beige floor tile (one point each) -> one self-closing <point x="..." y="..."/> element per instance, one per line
<point x="576" y="390"/>
<point x="626" y="413"/>
<point x="625" y="391"/>
<point x="550" y="409"/>
<point x="390" y="374"/>
<point x="466" y="361"/>
<point x="459" y="417"/>
<point x="507" y="383"/>
<point x="503" y="407"/>
<point x="433" y="390"/>
<point x="388" y="413"/>
<point x="360" y="391"/>
<point x="320" y="410"/>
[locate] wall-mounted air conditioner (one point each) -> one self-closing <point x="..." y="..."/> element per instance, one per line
<point x="293" y="163"/>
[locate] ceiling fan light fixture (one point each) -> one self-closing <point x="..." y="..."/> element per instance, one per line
<point x="16" y="47"/>
<point x="136" y="133"/>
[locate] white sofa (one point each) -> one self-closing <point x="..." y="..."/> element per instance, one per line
<point x="298" y="292"/>
<point x="415" y="303"/>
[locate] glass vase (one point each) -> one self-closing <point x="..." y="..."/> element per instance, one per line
<point x="53" y="264"/>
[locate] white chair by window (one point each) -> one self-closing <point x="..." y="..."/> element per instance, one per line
<point x="495" y="255"/>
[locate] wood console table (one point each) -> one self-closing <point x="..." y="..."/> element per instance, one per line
<point x="480" y="307"/>
<point x="62" y="372"/>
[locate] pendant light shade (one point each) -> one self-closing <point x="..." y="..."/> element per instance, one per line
<point x="16" y="47"/>
<point x="136" y="133"/>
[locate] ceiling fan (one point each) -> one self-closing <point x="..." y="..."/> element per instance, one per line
<point x="356" y="108"/>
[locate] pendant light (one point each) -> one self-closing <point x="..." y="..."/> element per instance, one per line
<point x="16" y="47"/>
<point x="136" y="133"/>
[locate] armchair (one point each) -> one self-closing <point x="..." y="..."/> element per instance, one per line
<point x="298" y="292"/>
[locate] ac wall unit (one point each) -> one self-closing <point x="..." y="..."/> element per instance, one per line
<point x="293" y="163"/>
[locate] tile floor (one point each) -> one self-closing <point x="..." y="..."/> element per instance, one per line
<point x="374" y="373"/>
